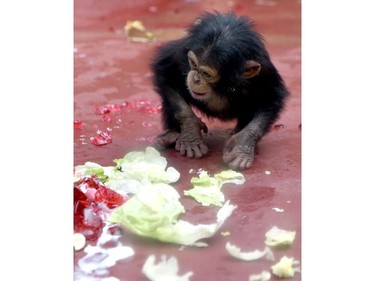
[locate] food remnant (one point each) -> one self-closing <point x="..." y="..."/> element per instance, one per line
<point x="102" y="138"/>
<point x="284" y="268"/>
<point x="236" y="252"/>
<point x="78" y="125"/>
<point x="79" y="241"/>
<point x="153" y="212"/>
<point x="207" y="189"/>
<point x="277" y="237"/>
<point x="263" y="276"/>
<point x="167" y="269"/>
<point x="136" y="32"/>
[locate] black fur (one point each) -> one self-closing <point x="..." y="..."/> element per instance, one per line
<point x="225" y="41"/>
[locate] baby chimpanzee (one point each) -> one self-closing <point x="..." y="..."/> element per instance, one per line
<point x="223" y="69"/>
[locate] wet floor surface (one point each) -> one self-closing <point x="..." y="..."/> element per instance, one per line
<point x="110" y="70"/>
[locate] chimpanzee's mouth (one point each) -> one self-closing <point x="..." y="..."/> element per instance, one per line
<point x="198" y="94"/>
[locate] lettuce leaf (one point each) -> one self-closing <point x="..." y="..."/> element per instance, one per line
<point x="147" y="166"/>
<point x="130" y="172"/>
<point x="153" y="212"/>
<point x="92" y="168"/>
<point x="204" y="180"/>
<point x="207" y="189"/>
<point x="152" y="207"/>
<point x="285" y="268"/>
<point x="186" y="233"/>
<point x="230" y="176"/>
<point x="155" y="208"/>
<point x="236" y="252"/>
<point x="277" y="237"/>
<point x="263" y="276"/>
<point x="166" y="270"/>
<point x="207" y="196"/>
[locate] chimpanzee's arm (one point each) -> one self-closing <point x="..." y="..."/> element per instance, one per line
<point x="239" y="150"/>
<point x="183" y="127"/>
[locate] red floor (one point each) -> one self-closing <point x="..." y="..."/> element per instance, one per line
<point x="110" y="70"/>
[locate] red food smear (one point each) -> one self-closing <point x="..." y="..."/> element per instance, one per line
<point x="85" y="221"/>
<point x="78" y="125"/>
<point x="142" y="105"/>
<point x="151" y="109"/>
<point x="88" y="182"/>
<point x="102" y="110"/>
<point x="102" y="138"/>
<point x="80" y="201"/>
<point x="108" y="196"/>
<point x="106" y="118"/>
<point x="137" y="104"/>
<point x="106" y="109"/>
<point x="90" y="211"/>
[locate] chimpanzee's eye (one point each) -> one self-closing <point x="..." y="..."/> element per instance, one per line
<point x="206" y="74"/>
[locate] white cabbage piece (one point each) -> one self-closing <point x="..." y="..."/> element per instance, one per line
<point x="154" y="210"/>
<point x="147" y="166"/>
<point x="134" y="169"/>
<point x="277" y="237"/>
<point x="92" y="168"/>
<point x="236" y="252"/>
<point x="284" y="268"/>
<point x="207" y="196"/>
<point x="79" y="241"/>
<point x="230" y="176"/>
<point x="263" y="276"/>
<point x="207" y="189"/>
<point x="124" y="186"/>
<point x="278" y="210"/>
<point x="165" y="270"/>
<point x="186" y="233"/>
<point x="205" y="180"/>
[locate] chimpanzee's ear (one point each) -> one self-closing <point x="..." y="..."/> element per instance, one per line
<point x="252" y="68"/>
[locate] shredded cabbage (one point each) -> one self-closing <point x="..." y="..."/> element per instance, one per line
<point x="230" y="176"/>
<point x="207" y="196"/>
<point x="277" y="237"/>
<point x="166" y="270"/>
<point x="263" y="276"/>
<point x="151" y="208"/>
<point x="284" y="268"/>
<point x="235" y="251"/>
<point x="147" y="166"/>
<point x="153" y="212"/>
<point x="207" y="189"/>
<point x="91" y="168"/>
<point x="133" y="170"/>
<point x="155" y="208"/>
